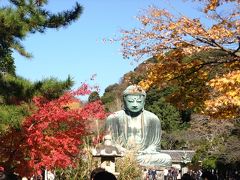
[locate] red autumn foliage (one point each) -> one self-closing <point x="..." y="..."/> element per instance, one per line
<point x="51" y="137"/>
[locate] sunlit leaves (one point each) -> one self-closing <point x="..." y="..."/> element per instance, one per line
<point x="225" y="95"/>
<point x="211" y="5"/>
<point x="51" y="136"/>
<point x="162" y="31"/>
<point x="189" y="53"/>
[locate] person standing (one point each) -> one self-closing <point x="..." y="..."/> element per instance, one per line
<point x="165" y="173"/>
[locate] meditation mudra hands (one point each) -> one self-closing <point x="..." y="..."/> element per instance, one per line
<point x="151" y="149"/>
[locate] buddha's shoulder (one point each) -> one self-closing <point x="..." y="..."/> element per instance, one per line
<point x="150" y="115"/>
<point x="116" y="114"/>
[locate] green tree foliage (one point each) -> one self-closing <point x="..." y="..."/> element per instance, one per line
<point x="6" y="61"/>
<point x="112" y="97"/>
<point x="16" y="95"/>
<point x="12" y="115"/>
<point x="168" y="114"/>
<point x="52" y="88"/>
<point x="94" y="96"/>
<point x="14" y="90"/>
<point x="20" y="18"/>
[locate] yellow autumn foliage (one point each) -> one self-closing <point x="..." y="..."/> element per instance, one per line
<point x="225" y="96"/>
<point x="201" y="61"/>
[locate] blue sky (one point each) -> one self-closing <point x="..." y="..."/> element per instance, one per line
<point x="78" y="50"/>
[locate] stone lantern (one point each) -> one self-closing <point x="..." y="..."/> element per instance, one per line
<point x="108" y="154"/>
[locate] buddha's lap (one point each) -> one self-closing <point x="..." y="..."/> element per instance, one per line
<point x="154" y="159"/>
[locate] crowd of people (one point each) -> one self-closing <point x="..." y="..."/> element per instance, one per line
<point x="176" y="174"/>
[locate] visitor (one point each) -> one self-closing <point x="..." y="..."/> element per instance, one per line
<point x="165" y="173"/>
<point x="95" y="171"/>
<point x="154" y="174"/>
<point x="104" y="175"/>
<point x="186" y="176"/>
<point x="179" y="176"/>
<point x="207" y="175"/>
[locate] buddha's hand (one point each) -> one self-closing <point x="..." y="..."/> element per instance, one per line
<point x="150" y="150"/>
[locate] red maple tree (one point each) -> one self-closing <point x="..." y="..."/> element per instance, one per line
<point x="51" y="137"/>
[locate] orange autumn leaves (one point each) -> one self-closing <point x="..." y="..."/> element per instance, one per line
<point x="211" y="5"/>
<point x="209" y="83"/>
<point x="225" y="95"/>
<point x="163" y="31"/>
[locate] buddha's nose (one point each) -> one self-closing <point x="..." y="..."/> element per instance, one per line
<point x="135" y="104"/>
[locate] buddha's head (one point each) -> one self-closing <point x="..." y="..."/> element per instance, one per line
<point x="134" y="98"/>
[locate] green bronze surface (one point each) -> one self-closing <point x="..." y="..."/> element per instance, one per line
<point x="136" y="128"/>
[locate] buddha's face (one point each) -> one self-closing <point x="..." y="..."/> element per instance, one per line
<point x="134" y="103"/>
